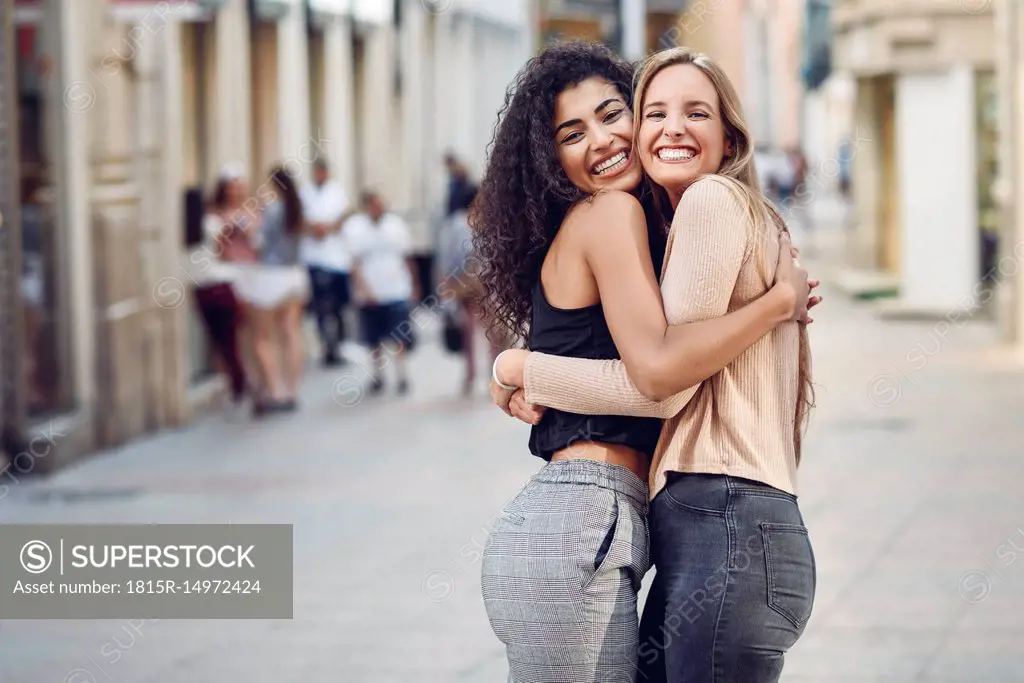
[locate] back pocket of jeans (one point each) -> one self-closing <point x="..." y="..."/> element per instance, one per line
<point x="789" y="563"/>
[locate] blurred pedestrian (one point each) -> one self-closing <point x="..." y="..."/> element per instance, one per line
<point x="461" y="189"/>
<point x="276" y="290"/>
<point x="207" y="230"/>
<point x="462" y="283"/>
<point x="384" y="280"/>
<point x="845" y="154"/>
<point x="323" y="250"/>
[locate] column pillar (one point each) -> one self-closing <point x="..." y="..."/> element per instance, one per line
<point x="412" y="44"/>
<point x="633" y="15"/>
<point x="339" y="104"/>
<point x="443" y="99"/>
<point x="378" y="116"/>
<point x="80" y="90"/>
<point x="1009" y="27"/>
<point x="461" y="107"/>
<point x="114" y="218"/>
<point x="293" y="89"/>
<point x="170" y="241"/>
<point x="937" y="210"/>
<point x="163" y="389"/>
<point x="862" y="241"/>
<point x="231" y="134"/>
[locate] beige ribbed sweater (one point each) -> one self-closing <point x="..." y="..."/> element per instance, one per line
<point x="738" y="422"/>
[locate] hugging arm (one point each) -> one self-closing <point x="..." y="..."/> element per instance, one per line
<point x="661" y="365"/>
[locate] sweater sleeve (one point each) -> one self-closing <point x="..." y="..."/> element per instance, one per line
<point x="711" y="236"/>
<point x="593" y="387"/>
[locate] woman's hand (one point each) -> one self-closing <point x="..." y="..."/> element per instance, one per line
<point x="526" y="412"/>
<point x="792" y="282"/>
<point x="502" y="397"/>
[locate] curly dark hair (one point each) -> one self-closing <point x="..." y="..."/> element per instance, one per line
<point x="525" y="194"/>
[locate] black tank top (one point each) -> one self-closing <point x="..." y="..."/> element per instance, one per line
<point x="581" y="333"/>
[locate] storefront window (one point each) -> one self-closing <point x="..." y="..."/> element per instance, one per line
<point x="46" y="374"/>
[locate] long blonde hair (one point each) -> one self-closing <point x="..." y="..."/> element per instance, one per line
<point x="740" y="176"/>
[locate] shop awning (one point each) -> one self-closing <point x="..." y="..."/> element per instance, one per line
<point x="332" y="7"/>
<point x="373" y="11"/>
<point x="181" y="10"/>
<point x="322" y="11"/>
<point x="272" y="10"/>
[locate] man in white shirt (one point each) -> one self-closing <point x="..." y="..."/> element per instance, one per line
<point x="384" y="279"/>
<point x="323" y="250"/>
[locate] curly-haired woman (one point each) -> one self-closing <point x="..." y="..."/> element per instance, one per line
<point x="735" y="575"/>
<point x="566" y="261"/>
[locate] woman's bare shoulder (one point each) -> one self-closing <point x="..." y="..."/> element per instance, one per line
<point x="608" y="210"/>
<point x="615" y="201"/>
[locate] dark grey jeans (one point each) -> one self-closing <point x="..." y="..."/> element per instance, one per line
<point x="734" y="585"/>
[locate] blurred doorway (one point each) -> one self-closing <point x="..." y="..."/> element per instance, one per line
<point x="197" y="68"/>
<point x="889" y="216"/>
<point x="45" y="333"/>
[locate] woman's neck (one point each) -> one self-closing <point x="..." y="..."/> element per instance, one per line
<point x="675" y="196"/>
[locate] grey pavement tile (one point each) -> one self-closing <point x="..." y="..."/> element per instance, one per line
<point x="993" y="604"/>
<point x="893" y="609"/>
<point x="980" y="656"/>
<point x="830" y="653"/>
<point x="894" y="597"/>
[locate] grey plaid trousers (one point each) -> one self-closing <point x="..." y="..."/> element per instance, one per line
<point x="561" y="572"/>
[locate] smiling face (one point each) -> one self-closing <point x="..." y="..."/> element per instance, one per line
<point x="682" y="133"/>
<point x="594" y="137"/>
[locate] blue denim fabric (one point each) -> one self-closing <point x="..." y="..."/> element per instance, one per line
<point x="734" y="585"/>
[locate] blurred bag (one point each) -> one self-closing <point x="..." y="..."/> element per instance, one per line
<point x="453" y="328"/>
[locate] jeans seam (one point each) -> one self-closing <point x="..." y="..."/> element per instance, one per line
<point x="730" y="523"/>
<point x="671" y="501"/>
<point x="751" y="491"/>
<point x="691" y="508"/>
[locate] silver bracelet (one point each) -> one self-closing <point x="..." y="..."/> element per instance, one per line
<point x="494" y="375"/>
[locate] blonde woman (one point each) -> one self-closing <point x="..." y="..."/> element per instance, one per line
<point x="735" y="569"/>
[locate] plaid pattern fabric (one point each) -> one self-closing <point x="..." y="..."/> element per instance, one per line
<point x="561" y="573"/>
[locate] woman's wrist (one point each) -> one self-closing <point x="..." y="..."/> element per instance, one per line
<point x="784" y="301"/>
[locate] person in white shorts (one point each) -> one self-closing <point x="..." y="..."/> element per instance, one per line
<point x="276" y="290"/>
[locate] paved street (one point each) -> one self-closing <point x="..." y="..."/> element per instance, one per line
<point x="910" y="488"/>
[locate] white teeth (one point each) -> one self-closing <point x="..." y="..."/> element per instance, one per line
<point x="675" y="154"/>
<point x="610" y="164"/>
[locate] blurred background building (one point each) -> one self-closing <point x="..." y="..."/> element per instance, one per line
<point x="924" y="162"/>
<point x="116" y="108"/>
<point x="113" y="109"/>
